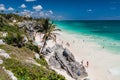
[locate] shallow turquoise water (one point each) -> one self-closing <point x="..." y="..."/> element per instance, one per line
<point x="105" y="33"/>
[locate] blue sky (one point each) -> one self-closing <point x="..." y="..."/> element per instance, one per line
<point x="65" y="9"/>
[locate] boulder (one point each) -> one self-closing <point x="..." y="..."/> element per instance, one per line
<point x="25" y="39"/>
<point x="64" y="58"/>
<point x="31" y="27"/>
<point x="1" y="61"/>
<point x="37" y="56"/>
<point x="1" y="41"/>
<point x="68" y="55"/>
<point x="4" y="54"/>
<point x="5" y="34"/>
<point x="54" y="62"/>
<point x="47" y="50"/>
<point x="10" y="74"/>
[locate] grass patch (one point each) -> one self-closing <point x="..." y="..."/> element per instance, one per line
<point x="6" y="48"/>
<point x="32" y="47"/>
<point x="42" y="61"/>
<point x="18" y="53"/>
<point x="30" y="72"/>
<point x="3" y="75"/>
<point x="14" y="39"/>
<point x="9" y="29"/>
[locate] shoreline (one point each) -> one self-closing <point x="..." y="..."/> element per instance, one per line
<point x="103" y="64"/>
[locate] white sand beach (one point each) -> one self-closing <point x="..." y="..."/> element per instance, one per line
<point x="103" y="65"/>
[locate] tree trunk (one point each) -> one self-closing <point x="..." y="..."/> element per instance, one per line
<point x="43" y="45"/>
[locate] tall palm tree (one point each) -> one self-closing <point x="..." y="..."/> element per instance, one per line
<point x="49" y="28"/>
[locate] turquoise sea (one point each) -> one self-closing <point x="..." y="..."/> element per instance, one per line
<point x="105" y="33"/>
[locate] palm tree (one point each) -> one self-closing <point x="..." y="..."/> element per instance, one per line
<point x="49" y="28"/>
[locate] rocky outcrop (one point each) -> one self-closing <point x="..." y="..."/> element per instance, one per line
<point x="4" y="54"/>
<point x="37" y="56"/>
<point x="31" y="27"/>
<point x="64" y="59"/>
<point x="1" y="61"/>
<point x="25" y="39"/>
<point x="2" y="42"/>
<point x="10" y="74"/>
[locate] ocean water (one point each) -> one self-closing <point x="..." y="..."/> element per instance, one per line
<point x="105" y="33"/>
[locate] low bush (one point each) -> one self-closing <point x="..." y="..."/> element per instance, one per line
<point x="14" y="39"/>
<point x="32" y="47"/>
<point x="42" y="61"/>
<point x="30" y="72"/>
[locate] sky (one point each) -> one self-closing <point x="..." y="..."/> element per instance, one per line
<point x="65" y="9"/>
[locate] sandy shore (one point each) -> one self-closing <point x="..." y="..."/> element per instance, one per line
<point x="103" y="65"/>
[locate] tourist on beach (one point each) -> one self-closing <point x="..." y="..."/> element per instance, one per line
<point x="62" y="42"/>
<point x="87" y="64"/>
<point x="67" y="44"/>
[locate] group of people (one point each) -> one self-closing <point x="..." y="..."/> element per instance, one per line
<point x="86" y="65"/>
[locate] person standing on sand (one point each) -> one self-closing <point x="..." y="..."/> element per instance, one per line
<point x="87" y="64"/>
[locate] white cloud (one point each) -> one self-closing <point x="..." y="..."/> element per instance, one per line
<point x="38" y="7"/>
<point x="2" y="7"/>
<point x="89" y="10"/>
<point x="30" y="0"/>
<point x="10" y="9"/>
<point x="25" y="10"/>
<point x="50" y="11"/>
<point x="42" y="14"/>
<point x="23" y="6"/>
<point x="26" y="13"/>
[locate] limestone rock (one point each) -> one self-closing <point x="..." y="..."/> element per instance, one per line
<point x="37" y="56"/>
<point x="10" y="74"/>
<point x="1" y="41"/>
<point x="1" y="61"/>
<point x="64" y="58"/>
<point x="25" y="39"/>
<point x="4" y="54"/>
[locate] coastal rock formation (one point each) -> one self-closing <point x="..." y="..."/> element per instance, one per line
<point x="31" y="27"/>
<point x="64" y="59"/>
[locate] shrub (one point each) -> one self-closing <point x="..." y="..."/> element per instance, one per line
<point x="30" y="72"/>
<point x="14" y="39"/>
<point x="42" y="61"/>
<point x="32" y="47"/>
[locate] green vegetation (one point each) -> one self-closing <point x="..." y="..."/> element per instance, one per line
<point x="42" y="61"/>
<point x="9" y="29"/>
<point x="3" y="75"/>
<point x="49" y="28"/>
<point x="32" y="47"/>
<point x="15" y="40"/>
<point x="30" y="72"/>
<point x="20" y="51"/>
